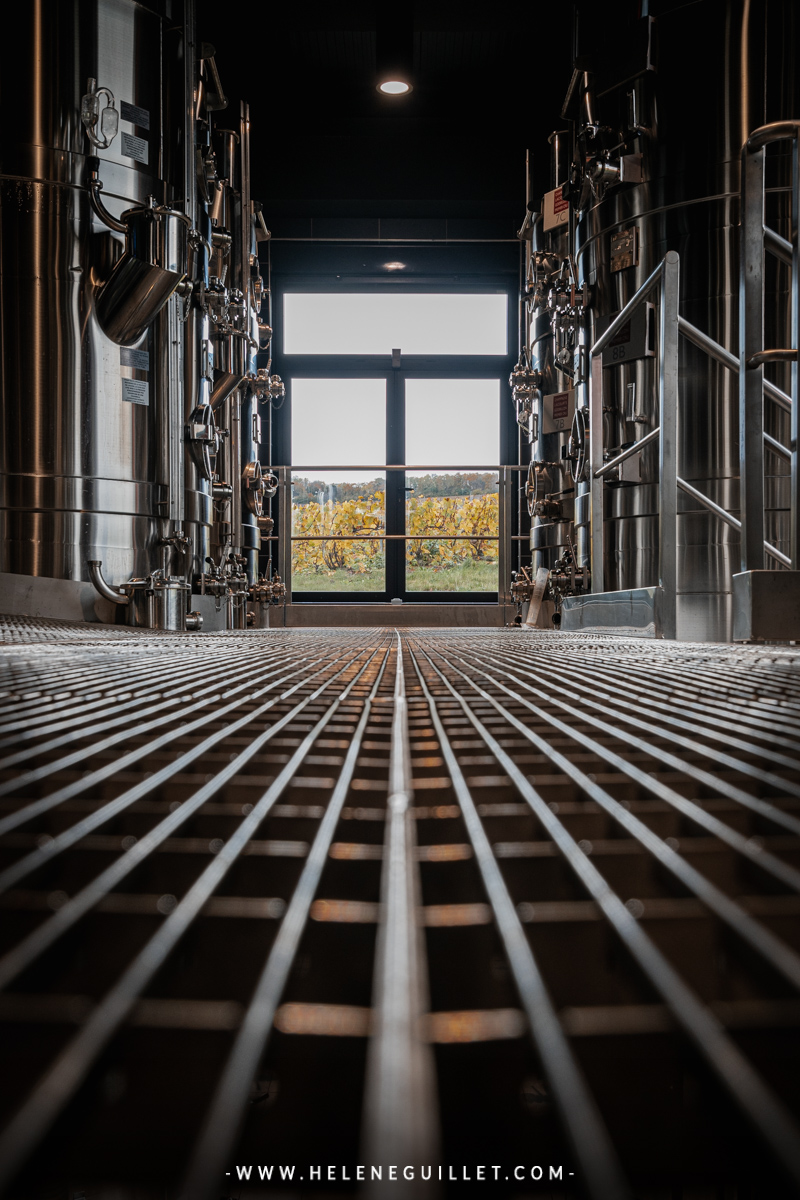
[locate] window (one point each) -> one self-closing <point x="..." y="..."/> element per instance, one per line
<point x="459" y="323"/>
<point x="394" y="462"/>
<point x="338" y="423"/>
<point x="453" y="426"/>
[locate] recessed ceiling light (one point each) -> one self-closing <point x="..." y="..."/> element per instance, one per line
<point x="394" y="87"/>
<point x="395" y="266"/>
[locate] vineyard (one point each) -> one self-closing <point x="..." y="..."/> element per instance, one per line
<point x="434" y="561"/>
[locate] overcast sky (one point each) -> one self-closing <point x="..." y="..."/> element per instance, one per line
<point x="449" y="423"/>
<point x="377" y="323"/>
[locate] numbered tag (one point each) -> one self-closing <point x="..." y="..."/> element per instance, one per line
<point x="636" y="338"/>
<point x="555" y="211"/>
<point x="557" y="412"/>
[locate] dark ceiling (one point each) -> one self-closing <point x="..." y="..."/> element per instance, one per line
<point x="489" y="81"/>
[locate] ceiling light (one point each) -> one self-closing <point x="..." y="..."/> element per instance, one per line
<point x="394" y="87"/>
<point x="394" y="49"/>
<point x="395" y="266"/>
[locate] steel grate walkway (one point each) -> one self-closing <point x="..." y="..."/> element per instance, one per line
<point x="437" y="899"/>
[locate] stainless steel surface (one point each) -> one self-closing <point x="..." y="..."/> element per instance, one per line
<point x="108" y="305"/>
<point x="159" y="601"/>
<point x="687" y="201"/>
<point x="751" y="377"/>
<point x="636" y="612"/>
<point x="67" y="599"/>
<point x="729" y="520"/>
<point x="669" y="424"/>
<point x="108" y="593"/>
<point x="597" y="564"/>
<point x="794" y="430"/>
<point x="754" y="356"/>
<point x="204" y="926"/>
<point x="636" y="448"/>
<point x="64" y="412"/>
<point x="153" y="265"/>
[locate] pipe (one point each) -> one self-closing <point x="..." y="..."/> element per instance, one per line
<point x="95" y="188"/>
<point x="107" y="592"/>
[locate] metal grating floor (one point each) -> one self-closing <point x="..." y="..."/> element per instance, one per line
<point x="450" y="899"/>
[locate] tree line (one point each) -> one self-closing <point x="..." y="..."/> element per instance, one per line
<point x="460" y="483"/>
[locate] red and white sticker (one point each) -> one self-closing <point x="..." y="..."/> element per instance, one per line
<point x="556" y="210"/>
<point x="558" y="411"/>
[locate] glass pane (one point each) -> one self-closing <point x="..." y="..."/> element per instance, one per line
<point x="335" y="505"/>
<point x="452" y="513"/>
<point x="338" y="422"/>
<point x="377" y="323"/>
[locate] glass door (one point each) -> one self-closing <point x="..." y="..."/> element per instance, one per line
<point x="452" y="432"/>
<point x="339" y="486"/>
<point x="392" y="432"/>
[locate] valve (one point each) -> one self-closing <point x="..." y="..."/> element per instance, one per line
<point x="202" y="438"/>
<point x="525" y="382"/>
<point x="577" y="448"/>
<point x="539" y="495"/>
<point x="256" y="486"/>
<point x="268" y="387"/>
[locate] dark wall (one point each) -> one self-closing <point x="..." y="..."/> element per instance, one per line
<point x="489" y="81"/>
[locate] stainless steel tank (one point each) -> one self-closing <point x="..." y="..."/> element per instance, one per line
<point x="552" y="528"/>
<point x="732" y="71"/>
<point x="92" y="407"/>
<point x="130" y="320"/>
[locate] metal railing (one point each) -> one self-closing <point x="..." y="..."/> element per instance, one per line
<point x="503" y="537"/>
<point x="667" y="278"/>
<point x="752" y="389"/>
<point x="752" y="354"/>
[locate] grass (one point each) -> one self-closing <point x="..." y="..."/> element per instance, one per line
<point x="464" y="577"/>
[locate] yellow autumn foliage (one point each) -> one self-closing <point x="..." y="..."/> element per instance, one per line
<point x="436" y="520"/>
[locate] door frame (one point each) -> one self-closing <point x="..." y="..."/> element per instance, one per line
<point x="351" y="366"/>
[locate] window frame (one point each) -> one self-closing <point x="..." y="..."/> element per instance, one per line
<point x="355" y="366"/>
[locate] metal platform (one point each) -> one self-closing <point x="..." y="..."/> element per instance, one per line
<point x="442" y="899"/>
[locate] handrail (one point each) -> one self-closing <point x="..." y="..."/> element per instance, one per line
<point x="711" y="505"/>
<point x="777" y="447"/>
<point x="704" y="342"/>
<point x="776" y="131"/>
<point x="407" y="537"/>
<point x="728" y="518"/>
<point x="778" y="245"/>
<point x="772" y="355"/>
<point x="629" y="452"/>
<point x="721" y="355"/>
<point x="621" y="317"/>
<point x="780" y="397"/>
<point x="756" y="239"/>
<point x="665" y="276"/>
<point x="294" y="468"/>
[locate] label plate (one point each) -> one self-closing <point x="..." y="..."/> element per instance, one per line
<point x="136" y="391"/>
<point x="134" y="114"/>
<point x="134" y="147"/>
<point x="558" y="411"/>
